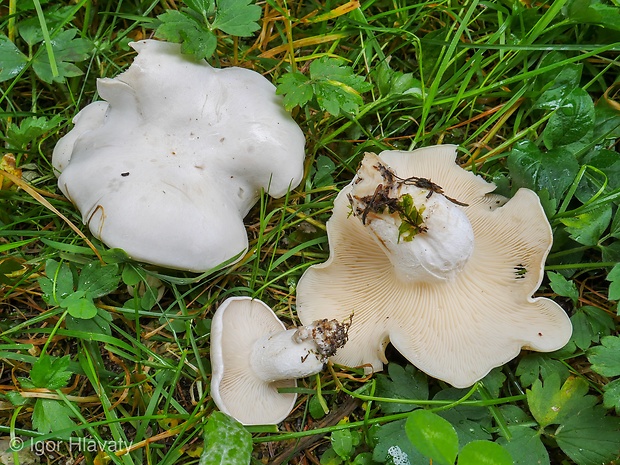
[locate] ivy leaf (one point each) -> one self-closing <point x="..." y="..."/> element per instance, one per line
<point x="67" y="51"/>
<point x="50" y="372"/>
<point x="226" y="442"/>
<point x="401" y="383"/>
<point x="296" y="88"/>
<point x="433" y="436"/>
<point x="237" y="17"/>
<point x="50" y="416"/>
<point x="196" y="38"/>
<point x="605" y="359"/>
<point x="12" y="61"/>
<point x="571" y="121"/>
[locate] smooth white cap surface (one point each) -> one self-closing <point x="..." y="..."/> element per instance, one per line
<point x="167" y="167"/>
<point x="456" y="330"/>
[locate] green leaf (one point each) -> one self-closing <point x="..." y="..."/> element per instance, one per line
<point x="202" y="7"/>
<point x="484" y="453"/>
<point x="58" y="282"/>
<point x="296" y="88"/>
<point x="589" y="324"/>
<point x="325" y="167"/>
<point x="557" y="83"/>
<point x="470" y="423"/>
<point x="614" y="287"/>
<point x="51" y="416"/>
<point x="551" y="403"/>
<point x="605" y="359"/>
<point x="29" y="130"/>
<point x="50" y="372"/>
<point x="433" y="436"/>
<point x="196" y="38"/>
<point x="592" y="12"/>
<point x="611" y="397"/>
<point x="391" y="444"/>
<point x="97" y="280"/>
<point x="67" y="51"/>
<point x="588" y="227"/>
<point x="79" y="305"/>
<point x="562" y="286"/>
<point x="344" y="442"/>
<point x="396" y="83"/>
<point x="533" y="366"/>
<point x="525" y="446"/>
<point x="553" y="171"/>
<point x="589" y="437"/>
<point x="401" y="383"/>
<point x="237" y="17"/>
<point x="571" y="121"/>
<point x="227" y="442"/>
<point x="12" y="61"/>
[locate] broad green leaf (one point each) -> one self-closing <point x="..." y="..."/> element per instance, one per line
<point x="589" y="437"/>
<point x="96" y="280"/>
<point x="557" y="83"/>
<point x="99" y="324"/>
<point x="296" y="88"/>
<point x="196" y="38"/>
<point x="343" y="442"/>
<point x="57" y="283"/>
<point x="237" y="17"/>
<point x="533" y="366"/>
<point x="79" y="305"/>
<point x="391" y="442"/>
<point x="605" y="359"/>
<point x="12" y="61"/>
<point x="67" y="51"/>
<point x="330" y="457"/>
<point x="607" y="163"/>
<point x="592" y="12"/>
<point x="203" y="7"/>
<point x="551" y="403"/>
<point x="29" y="130"/>
<point x="401" y="383"/>
<point x="51" y="416"/>
<point x="50" y="372"/>
<point x="525" y="446"/>
<point x="470" y="423"/>
<point x="553" y="171"/>
<point x="589" y="324"/>
<point x="325" y="167"/>
<point x="395" y="83"/>
<point x="562" y="286"/>
<point x="571" y="121"/>
<point x="614" y="278"/>
<point x="365" y="458"/>
<point x="588" y="227"/>
<point x="433" y="436"/>
<point x="611" y="397"/>
<point x="227" y="442"/>
<point x="131" y="275"/>
<point x="484" y="453"/>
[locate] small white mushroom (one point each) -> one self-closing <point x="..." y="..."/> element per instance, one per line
<point x="177" y="154"/>
<point x="253" y="354"/>
<point x="426" y="257"/>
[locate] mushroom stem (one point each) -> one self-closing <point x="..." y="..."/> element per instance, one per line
<point x="300" y="352"/>
<point x="425" y="234"/>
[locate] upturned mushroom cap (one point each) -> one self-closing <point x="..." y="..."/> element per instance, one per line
<point x="236" y="387"/>
<point x="456" y="329"/>
<point x="177" y="154"/>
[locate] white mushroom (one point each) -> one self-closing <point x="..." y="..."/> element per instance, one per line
<point x="253" y="355"/>
<point x="177" y="154"/>
<point x="427" y="258"/>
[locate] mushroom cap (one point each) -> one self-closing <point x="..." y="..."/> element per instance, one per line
<point x="235" y="388"/>
<point x="457" y="330"/>
<point x="177" y="154"/>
